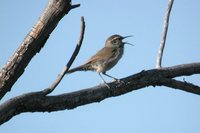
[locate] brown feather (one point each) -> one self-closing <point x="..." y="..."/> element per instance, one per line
<point x="104" y="54"/>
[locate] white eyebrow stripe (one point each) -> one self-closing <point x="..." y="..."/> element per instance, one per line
<point x="115" y="38"/>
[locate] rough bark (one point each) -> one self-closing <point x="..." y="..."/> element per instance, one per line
<point x="33" y="43"/>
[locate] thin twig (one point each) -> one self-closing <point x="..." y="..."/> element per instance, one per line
<point x="75" y="6"/>
<point x="66" y="68"/>
<point x="164" y="35"/>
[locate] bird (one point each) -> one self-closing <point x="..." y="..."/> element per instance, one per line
<point x="106" y="58"/>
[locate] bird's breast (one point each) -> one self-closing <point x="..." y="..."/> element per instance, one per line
<point x="113" y="60"/>
<point x="106" y="59"/>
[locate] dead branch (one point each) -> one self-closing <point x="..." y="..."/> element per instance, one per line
<point x="66" y="68"/>
<point x="164" y="35"/>
<point x="185" y="86"/>
<point x="33" y="43"/>
<point x="38" y="102"/>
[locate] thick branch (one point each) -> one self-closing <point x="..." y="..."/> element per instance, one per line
<point x="66" y="68"/>
<point x="33" y="43"/>
<point x="164" y="35"/>
<point x="37" y="102"/>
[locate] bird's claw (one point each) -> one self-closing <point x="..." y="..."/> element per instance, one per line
<point x="107" y="85"/>
<point x="119" y="81"/>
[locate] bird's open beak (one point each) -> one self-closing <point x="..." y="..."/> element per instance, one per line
<point x="127" y="36"/>
<point x="127" y="42"/>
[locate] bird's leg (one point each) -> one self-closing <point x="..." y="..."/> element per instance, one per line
<point x="115" y="79"/>
<point x="104" y="81"/>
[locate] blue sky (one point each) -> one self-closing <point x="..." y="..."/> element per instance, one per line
<point x="147" y="110"/>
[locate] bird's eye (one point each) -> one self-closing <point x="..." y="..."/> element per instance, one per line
<point x="115" y="41"/>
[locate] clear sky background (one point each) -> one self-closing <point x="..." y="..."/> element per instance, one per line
<point x="148" y="110"/>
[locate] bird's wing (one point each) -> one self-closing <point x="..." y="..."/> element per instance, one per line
<point x="104" y="54"/>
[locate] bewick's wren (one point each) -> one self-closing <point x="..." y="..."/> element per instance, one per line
<point x="106" y="58"/>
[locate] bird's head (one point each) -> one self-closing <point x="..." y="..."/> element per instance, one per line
<point x="116" y="41"/>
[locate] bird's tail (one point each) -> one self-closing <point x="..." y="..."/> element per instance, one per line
<point x="84" y="67"/>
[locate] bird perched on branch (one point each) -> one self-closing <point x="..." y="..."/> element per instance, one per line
<point x="106" y="58"/>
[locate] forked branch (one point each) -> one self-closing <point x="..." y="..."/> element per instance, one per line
<point x="38" y="102"/>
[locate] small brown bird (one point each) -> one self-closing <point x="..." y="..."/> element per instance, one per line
<point x="106" y="58"/>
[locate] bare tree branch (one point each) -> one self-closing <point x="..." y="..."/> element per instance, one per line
<point x="66" y="68"/>
<point x="185" y="86"/>
<point x="33" y="43"/>
<point x="164" y="35"/>
<point x="38" y="102"/>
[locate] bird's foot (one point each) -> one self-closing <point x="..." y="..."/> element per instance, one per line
<point x="119" y="81"/>
<point x="107" y="85"/>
